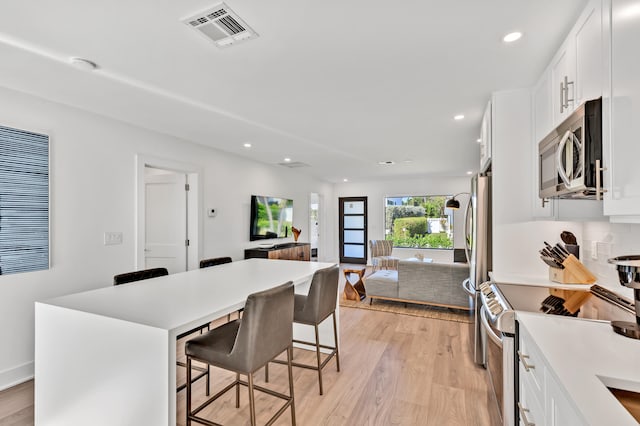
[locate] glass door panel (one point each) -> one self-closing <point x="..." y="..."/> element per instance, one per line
<point x="353" y="229"/>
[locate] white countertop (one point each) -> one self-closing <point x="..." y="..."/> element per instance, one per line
<point x="174" y="301"/>
<point x="580" y="352"/>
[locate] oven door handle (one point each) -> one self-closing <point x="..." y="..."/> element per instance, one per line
<point x="485" y="323"/>
<point x="467" y="287"/>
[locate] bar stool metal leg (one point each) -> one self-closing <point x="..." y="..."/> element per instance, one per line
<point x="252" y="403"/>
<point x="237" y="390"/>
<point x="318" y="357"/>
<point x="335" y="339"/>
<point x="290" y="367"/>
<point x="188" y="391"/>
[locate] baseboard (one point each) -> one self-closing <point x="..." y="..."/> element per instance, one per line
<point x="16" y="375"/>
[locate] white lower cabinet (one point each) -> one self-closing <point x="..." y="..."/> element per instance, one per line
<point x="542" y="400"/>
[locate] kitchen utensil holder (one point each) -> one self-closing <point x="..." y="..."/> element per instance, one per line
<point x="574" y="272"/>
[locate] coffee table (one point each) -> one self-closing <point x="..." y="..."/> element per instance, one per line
<point x="354" y="291"/>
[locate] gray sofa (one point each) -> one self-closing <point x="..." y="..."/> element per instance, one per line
<point x="421" y="282"/>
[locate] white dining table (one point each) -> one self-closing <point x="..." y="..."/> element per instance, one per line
<point x="108" y="356"/>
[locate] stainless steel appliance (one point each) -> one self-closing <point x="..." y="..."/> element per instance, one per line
<point x="629" y="274"/>
<point x="478" y="250"/>
<point x="498" y="316"/>
<point x="570" y="157"/>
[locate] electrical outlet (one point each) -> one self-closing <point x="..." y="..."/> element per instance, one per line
<point x="112" y="238"/>
<point x="594" y="250"/>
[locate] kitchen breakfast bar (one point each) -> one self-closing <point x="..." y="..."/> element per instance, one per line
<point x="108" y="356"/>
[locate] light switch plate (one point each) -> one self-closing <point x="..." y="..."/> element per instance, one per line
<point x="112" y="238"/>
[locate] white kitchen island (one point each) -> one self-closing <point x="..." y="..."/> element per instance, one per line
<point x="108" y="356"/>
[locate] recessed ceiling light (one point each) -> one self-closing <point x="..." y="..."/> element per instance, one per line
<point x="247" y="145"/>
<point x="83" y="64"/>
<point x="469" y="172"/>
<point x="386" y="163"/>
<point x="478" y="140"/>
<point x="511" y="37"/>
<point x="345" y="180"/>
<point x="287" y="159"/>
<point x="458" y="117"/>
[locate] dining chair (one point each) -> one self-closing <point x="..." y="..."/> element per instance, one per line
<point x="313" y="309"/>
<point x="145" y="274"/>
<point x="245" y="345"/>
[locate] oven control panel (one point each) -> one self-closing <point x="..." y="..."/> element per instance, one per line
<point x="498" y="310"/>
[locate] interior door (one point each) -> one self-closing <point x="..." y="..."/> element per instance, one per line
<point x="353" y="229"/>
<point x="166" y="221"/>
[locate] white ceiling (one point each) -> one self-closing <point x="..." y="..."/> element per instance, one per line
<point x="339" y="85"/>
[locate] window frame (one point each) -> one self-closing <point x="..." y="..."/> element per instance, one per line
<point x="451" y="223"/>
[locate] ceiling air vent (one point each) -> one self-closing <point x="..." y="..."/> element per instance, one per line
<point x="221" y="25"/>
<point x="294" y="164"/>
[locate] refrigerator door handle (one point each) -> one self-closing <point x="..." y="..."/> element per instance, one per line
<point x="467" y="231"/>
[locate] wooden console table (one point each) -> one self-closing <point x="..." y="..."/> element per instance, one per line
<point x="286" y="251"/>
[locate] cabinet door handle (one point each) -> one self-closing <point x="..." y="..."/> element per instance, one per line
<point x="566" y="91"/>
<point x="523" y="415"/>
<point x="561" y="97"/>
<point x="523" y="359"/>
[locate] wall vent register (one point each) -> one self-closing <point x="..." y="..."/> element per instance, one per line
<point x="221" y="25"/>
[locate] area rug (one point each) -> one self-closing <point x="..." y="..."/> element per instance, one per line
<point x="425" y="311"/>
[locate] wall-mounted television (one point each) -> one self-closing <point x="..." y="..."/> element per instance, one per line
<point x="271" y="217"/>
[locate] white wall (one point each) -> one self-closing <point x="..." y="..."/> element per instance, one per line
<point x="93" y="184"/>
<point x="376" y="191"/>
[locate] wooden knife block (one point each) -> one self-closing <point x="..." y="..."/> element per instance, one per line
<point x="574" y="272"/>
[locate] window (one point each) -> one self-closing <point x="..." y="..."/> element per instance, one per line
<point x="419" y="221"/>
<point x="24" y="201"/>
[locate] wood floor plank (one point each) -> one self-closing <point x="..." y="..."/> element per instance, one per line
<point x="395" y="370"/>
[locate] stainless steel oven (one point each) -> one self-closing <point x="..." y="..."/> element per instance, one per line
<point x="570" y="157"/>
<point x="498" y="319"/>
<point x="498" y="326"/>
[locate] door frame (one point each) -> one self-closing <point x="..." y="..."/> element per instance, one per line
<point x="342" y="258"/>
<point x="194" y="216"/>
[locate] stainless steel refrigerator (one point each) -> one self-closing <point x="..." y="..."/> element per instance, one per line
<point x="478" y="250"/>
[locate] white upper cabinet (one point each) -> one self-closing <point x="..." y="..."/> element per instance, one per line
<point x="485" y="139"/>
<point x="542" y="109"/>
<point x="588" y="47"/>
<point x="563" y="79"/>
<point x="621" y="111"/>
<point x="576" y="69"/>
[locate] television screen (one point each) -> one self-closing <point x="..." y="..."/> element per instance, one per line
<point x="271" y="217"/>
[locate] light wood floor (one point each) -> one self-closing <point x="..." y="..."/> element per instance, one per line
<point x="395" y="370"/>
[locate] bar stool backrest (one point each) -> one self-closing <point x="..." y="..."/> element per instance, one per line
<point x="321" y="299"/>
<point x="145" y="274"/>
<point x="206" y="263"/>
<point x="266" y="328"/>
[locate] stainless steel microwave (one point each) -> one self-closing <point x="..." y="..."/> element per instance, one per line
<point x="570" y="157"/>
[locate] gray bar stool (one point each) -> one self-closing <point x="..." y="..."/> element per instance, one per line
<point x="313" y="309"/>
<point x="246" y="345"/>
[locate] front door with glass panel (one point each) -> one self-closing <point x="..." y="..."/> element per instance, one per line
<point x="353" y="230"/>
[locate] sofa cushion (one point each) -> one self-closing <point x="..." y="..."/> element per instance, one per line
<point x="382" y="283"/>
